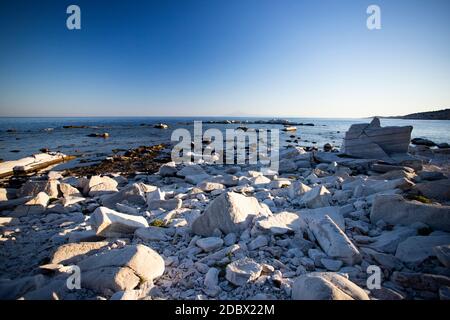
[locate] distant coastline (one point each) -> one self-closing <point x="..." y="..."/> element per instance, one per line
<point x="443" y="114"/>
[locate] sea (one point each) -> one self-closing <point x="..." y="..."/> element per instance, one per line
<point x="22" y="137"/>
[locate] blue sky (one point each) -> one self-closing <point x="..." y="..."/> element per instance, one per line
<point x="209" y="57"/>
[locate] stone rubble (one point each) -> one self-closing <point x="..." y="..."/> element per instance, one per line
<point x="226" y="232"/>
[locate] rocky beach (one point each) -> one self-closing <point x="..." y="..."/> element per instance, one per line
<point x="138" y="226"/>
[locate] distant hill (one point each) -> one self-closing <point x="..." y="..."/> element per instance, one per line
<point x="430" y="115"/>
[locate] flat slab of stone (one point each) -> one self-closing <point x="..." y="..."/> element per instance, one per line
<point x="370" y="140"/>
<point x="417" y="249"/>
<point x="394" y="209"/>
<point x="281" y="223"/>
<point x="71" y="253"/>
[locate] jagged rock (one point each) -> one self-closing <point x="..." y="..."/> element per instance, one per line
<point x="71" y="253"/>
<point x="100" y="185"/>
<point x="334" y="241"/>
<point x="211" y="281"/>
<point x="230" y="212"/>
<point x="134" y="194"/>
<point x="32" y="188"/>
<point x="326" y="286"/>
<point x="298" y="189"/>
<point x="394" y="209"/>
<point x="110" y="223"/>
<point x="443" y="254"/>
<point x="438" y="189"/>
<point x="36" y="205"/>
<point x="371" y="141"/>
<point x="209" y="244"/>
<point x="281" y="223"/>
<point x="417" y="249"/>
<point x="243" y="271"/>
<point x="316" y="198"/>
<point x="67" y="190"/>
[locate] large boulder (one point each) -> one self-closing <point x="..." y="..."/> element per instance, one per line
<point x="120" y="269"/>
<point x="146" y="263"/>
<point x="230" y="213"/>
<point x="394" y="209"/>
<point x="110" y="223"/>
<point x="326" y="286"/>
<point x="371" y="141"/>
<point x="334" y="241"/>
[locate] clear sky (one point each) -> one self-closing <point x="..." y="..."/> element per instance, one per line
<point x="229" y="57"/>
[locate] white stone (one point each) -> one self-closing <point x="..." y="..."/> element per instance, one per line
<point x="243" y="271"/>
<point x="316" y="198"/>
<point x="230" y="212"/>
<point x="258" y="242"/>
<point x="281" y="223"/>
<point x="209" y="244"/>
<point x="110" y="223"/>
<point x="334" y="242"/>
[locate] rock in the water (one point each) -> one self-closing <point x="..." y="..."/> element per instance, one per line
<point x="316" y="198"/>
<point x="326" y="286"/>
<point x="371" y="141"/>
<point x="394" y="209"/>
<point x="230" y="213"/>
<point x="334" y="241"/>
<point x="209" y="244"/>
<point x="243" y="271"/>
<point x="417" y="249"/>
<point x="110" y="223"/>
